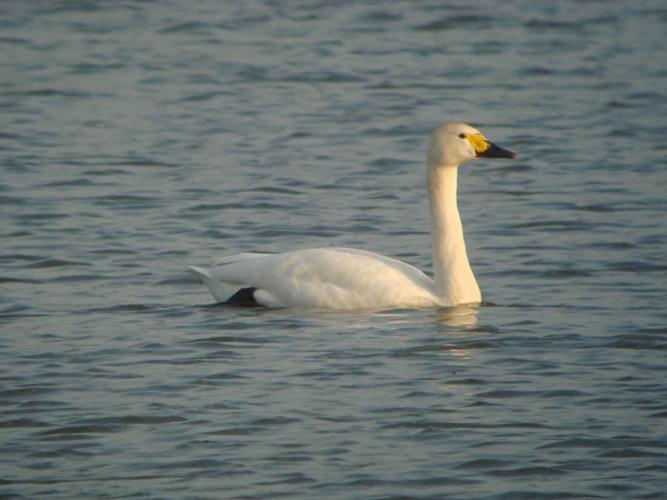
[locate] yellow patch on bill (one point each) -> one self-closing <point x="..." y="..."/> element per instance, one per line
<point x="478" y="142"/>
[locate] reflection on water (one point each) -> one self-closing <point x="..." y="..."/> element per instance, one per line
<point x="459" y="316"/>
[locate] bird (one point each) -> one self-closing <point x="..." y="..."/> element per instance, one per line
<point x="342" y="279"/>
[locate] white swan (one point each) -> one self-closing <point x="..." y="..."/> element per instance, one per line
<point x="346" y="279"/>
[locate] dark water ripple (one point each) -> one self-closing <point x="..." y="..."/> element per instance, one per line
<point x="138" y="137"/>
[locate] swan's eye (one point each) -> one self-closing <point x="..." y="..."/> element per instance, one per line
<point x="462" y="135"/>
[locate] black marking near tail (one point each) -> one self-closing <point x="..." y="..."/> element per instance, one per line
<point x="243" y="298"/>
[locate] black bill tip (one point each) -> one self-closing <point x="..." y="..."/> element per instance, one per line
<point x="494" y="151"/>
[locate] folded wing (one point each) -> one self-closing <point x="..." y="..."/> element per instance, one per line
<point x="323" y="278"/>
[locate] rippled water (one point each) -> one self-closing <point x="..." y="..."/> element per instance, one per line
<point x="138" y="137"/>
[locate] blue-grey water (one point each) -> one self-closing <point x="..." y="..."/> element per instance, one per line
<point x="137" y="137"/>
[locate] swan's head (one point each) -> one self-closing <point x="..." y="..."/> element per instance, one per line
<point x="454" y="143"/>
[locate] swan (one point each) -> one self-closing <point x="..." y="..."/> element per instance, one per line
<point x="349" y="279"/>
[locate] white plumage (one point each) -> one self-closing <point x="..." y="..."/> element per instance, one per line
<point x="347" y="279"/>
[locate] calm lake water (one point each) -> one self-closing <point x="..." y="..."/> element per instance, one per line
<point x="138" y="137"/>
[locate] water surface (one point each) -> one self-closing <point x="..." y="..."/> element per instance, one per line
<point x="138" y="137"/>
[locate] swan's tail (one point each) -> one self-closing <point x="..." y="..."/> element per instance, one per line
<point x="220" y="290"/>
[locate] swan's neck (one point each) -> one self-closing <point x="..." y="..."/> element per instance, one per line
<point x="454" y="280"/>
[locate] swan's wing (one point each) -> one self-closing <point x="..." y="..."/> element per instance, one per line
<point x="323" y="278"/>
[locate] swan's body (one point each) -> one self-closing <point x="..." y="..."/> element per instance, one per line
<point x="344" y="278"/>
